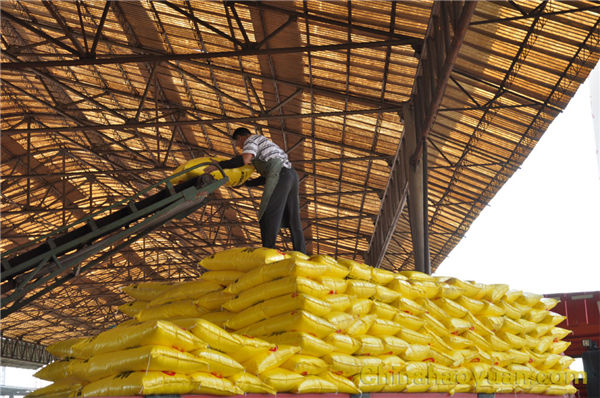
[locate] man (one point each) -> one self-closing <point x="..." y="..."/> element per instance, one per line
<point x="279" y="205"/>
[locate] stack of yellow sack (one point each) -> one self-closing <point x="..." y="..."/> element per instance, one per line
<point x="262" y="321"/>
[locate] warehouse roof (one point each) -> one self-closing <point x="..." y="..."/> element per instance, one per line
<point x="100" y="100"/>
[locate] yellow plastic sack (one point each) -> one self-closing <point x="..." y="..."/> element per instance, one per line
<point x="417" y="275"/>
<point x="277" y="306"/>
<point x="146" y="358"/>
<point x="241" y="259"/>
<point x="450" y="292"/>
<point x="435" y="326"/>
<point x="391" y="363"/>
<point x="223" y="278"/>
<point x="282" y="380"/>
<point x="343" y="343"/>
<point x="396" y="382"/>
<point x="457" y="342"/>
<point x="540" y="330"/>
<point x="474" y="306"/>
<point x="343" y="364"/>
<point x="529" y="299"/>
<point x="250" y="347"/>
<point x="416" y="352"/>
<point x="479" y="341"/>
<point x="177" y="309"/>
<point x="409" y="321"/>
<point x="270" y="359"/>
<point x="369" y="382"/>
<point x="559" y="347"/>
<point x="305" y="364"/>
<point x="411" y="307"/>
<point x="335" y="270"/>
<point x="513" y="340"/>
<point x="341" y="320"/>
<point x="369" y="363"/>
<point x="309" y="345"/>
<point x="315" y="384"/>
<point x="251" y="384"/>
<point x="296" y="321"/>
<point x="147" y="291"/>
<point x="478" y="326"/>
<point x="444" y="359"/>
<point x="338" y="302"/>
<point x="472" y="290"/>
<point x="559" y="333"/>
<point x="510" y="311"/>
<point x="434" y="310"/>
<point x="361" y="288"/>
<point x="491" y="309"/>
<point x="564" y="362"/>
<point x="406" y="289"/>
<point x="560" y="390"/>
<point x="452" y="308"/>
<point x="383" y="327"/>
<point x="133" y="308"/>
<point x="385" y="295"/>
<point x="206" y="383"/>
<point x="147" y="333"/>
<point x="66" y="348"/>
<point x="370" y="345"/>
<point x="458" y="326"/>
<point x="547" y="303"/>
<point x="382" y="276"/>
<point x="343" y="385"/>
<point x="512" y="295"/>
<point x="274" y="289"/>
<point x="356" y="269"/>
<point x="359" y="306"/>
<point x="438" y="342"/>
<point x="289" y="267"/>
<point x="139" y="383"/>
<point x="528" y="326"/>
<point x="237" y="176"/>
<point x="214" y="300"/>
<point x="218" y="318"/>
<point x="186" y="291"/>
<point x="60" y="370"/>
<point x="431" y="289"/>
<point x="218" y="363"/>
<point x="496" y="292"/>
<point x="383" y="310"/>
<point x="334" y="285"/>
<point x="493" y="323"/>
<point x="216" y="337"/>
<point x="518" y="356"/>
<point x="59" y="389"/>
<point x="361" y="325"/>
<point x="553" y="318"/>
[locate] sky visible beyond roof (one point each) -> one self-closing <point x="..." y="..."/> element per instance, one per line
<point x="541" y="232"/>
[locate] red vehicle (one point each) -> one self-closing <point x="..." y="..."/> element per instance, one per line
<point x="583" y="318"/>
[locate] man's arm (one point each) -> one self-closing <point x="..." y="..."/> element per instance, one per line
<point x="247" y="158"/>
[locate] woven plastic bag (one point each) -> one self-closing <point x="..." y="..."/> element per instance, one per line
<point x="236" y="176"/>
<point x="148" y="358"/>
<point x="356" y="269"/>
<point x="282" y="380"/>
<point x="177" y="309"/>
<point x="343" y="385"/>
<point x="133" y="307"/>
<point x="66" y="348"/>
<point x="241" y="259"/>
<point x="147" y="333"/>
<point x="147" y="291"/>
<point x="139" y="383"/>
<point x="206" y="383"/>
<point x="285" y="268"/>
<point x="343" y="343"/>
<point x="309" y="344"/>
<point x="188" y="290"/>
<point x="217" y="363"/>
<point x="60" y="370"/>
<point x="224" y="277"/>
<point x="216" y="337"/>
<point x="295" y="321"/>
<point x="251" y="384"/>
<point x="343" y="364"/>
<point x="270" y="359"/>
<point x="59" y="389"/>
<point x="305" y="364"/>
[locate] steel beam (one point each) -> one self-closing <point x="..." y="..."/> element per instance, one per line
<point x="21" y="353"/>
<point x="128" y="58"/>
<point x="439" y="54"/>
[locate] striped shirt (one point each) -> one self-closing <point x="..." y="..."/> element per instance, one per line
<point x="264" y="149"/>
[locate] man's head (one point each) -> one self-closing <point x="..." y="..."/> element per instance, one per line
<point x="240" y="135"/>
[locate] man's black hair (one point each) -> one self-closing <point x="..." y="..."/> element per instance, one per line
<point x="239" y="132"/>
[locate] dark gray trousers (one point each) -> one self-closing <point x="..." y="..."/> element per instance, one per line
<point x="283" y="210"/>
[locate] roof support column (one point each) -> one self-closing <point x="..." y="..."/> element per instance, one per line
<point x="416" y="177"/>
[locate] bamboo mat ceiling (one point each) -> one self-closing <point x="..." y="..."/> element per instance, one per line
<point x="95" y="107"/>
